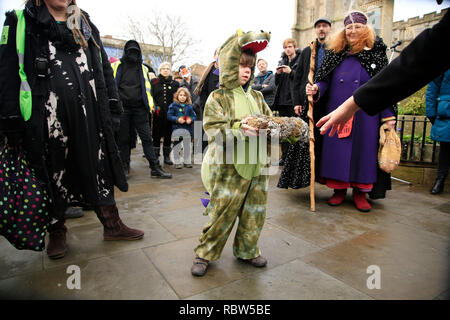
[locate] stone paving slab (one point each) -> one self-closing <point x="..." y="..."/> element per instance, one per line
<point x="320" y="255"/>
<point x="413" y="264"/>
<point x="15" y="262"/>
<point x="295" y="280"/>
<point x="86" y="242"/>
<point x="129" y="275"/>
<point x="174" y="260"/>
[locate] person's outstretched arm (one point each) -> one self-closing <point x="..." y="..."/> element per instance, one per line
<point x="421" y="61"/>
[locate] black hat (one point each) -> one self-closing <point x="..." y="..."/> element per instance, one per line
<point x="132" y="44"/>
<point x="439" y="1"/>
<point x="323" y="19"/>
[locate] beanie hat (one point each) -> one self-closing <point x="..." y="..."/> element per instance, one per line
<point x="355" y="17"/>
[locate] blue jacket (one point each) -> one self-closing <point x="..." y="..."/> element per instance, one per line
<point x="176" y="111"/>
<point x="438" y="106"/>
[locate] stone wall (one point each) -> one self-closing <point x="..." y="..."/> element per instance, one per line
<point x="308" y="11"/>
<point x="407" y="30"/>
<point x="380" y="12"/>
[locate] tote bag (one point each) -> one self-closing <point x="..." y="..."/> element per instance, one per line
<point x="24" y="202"/>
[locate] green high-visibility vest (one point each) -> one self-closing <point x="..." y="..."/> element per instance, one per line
<point x="25" y="99"/>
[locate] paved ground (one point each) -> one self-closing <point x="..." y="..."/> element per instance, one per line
<point x="321" y="255"/>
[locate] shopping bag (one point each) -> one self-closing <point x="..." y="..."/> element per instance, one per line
<point x="24" y="202"/>
<point x="389" y="150"/>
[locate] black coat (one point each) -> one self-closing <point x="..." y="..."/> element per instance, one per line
<point x="301" y="78"/>
<point x="425" y="58"/>
<point x="162" y="92"/>
<point x="284" y="81"/>
<point x="38" y="25"/>
<point x="209" y="84"/>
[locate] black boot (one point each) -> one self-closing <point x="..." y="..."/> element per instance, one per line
<point x="438" y="184"/>
<point x="126" y="169"/>
<point x="158" y="172"/>
<point x="157" y="153"/>
<point x="167" y="160"/>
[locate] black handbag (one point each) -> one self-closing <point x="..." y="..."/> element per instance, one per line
<point x="24" y="202"/>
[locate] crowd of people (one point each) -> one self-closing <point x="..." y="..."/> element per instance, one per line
<point x="77" y="117"/>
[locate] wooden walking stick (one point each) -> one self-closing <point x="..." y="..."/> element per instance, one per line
<point x="312" y="67"/>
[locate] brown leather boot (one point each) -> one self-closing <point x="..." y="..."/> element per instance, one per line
<point x="113" y="227"/>
<point x="57" y="247"/>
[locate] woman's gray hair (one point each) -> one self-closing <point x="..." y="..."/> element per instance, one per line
<point x="165" y="63"/>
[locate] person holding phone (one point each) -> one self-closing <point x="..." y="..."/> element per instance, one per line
<point x="284" y="77"/>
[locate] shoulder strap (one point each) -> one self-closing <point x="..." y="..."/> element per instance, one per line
<point x="25" y="99"/>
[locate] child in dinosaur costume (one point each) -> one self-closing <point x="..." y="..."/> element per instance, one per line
<point x="237" y="190"/>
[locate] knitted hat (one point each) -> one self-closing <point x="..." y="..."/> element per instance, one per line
<point x="355" y="17"/>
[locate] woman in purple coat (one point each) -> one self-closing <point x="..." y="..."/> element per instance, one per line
<point x="349" y="159"/>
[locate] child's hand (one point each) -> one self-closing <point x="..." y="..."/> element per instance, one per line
<point x="181" y="120"/>
<point x="248" y="131"/>
<point x="188" y="120"/>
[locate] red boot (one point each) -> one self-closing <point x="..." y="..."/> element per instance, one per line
<point x="338" y="197"/>
<point x="113" y="227"/>
<point x="361" y="203"/>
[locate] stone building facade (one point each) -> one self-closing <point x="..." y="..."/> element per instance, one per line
<point x="407" y="30"/>
<point x="380" y="13"/>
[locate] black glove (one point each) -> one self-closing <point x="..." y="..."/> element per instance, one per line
<point x="14" y="138"/>
<point x="432" y="119"/>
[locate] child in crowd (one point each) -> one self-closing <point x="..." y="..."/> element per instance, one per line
<point x="237" y="190"/>
<point x="182" y="115"/>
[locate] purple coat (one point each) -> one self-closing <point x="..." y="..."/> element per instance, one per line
<point x="351" y="159"/>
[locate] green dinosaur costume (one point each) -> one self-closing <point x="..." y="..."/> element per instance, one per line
<point x="236" y="187"/>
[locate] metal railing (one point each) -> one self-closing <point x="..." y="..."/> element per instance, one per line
<point x="414" y="135"/>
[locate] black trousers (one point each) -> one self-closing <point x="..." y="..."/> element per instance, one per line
<point x="444" y="159"/>
<point x="136" y="117"/>
<point x="162" y="128"/>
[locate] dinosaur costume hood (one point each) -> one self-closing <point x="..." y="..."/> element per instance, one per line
<point x="230" y="54"/>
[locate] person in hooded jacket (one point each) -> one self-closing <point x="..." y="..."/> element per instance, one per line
<point x="438" y="111"/>
<point x="134" y="89"/>
<point x="162" y="91"/>
<point x="69" y="139"/>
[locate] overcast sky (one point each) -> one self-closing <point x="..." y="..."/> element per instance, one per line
<point x="212" y="21"/>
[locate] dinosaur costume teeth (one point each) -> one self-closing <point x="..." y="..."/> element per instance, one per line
<point x="230" y="53"/>
<point x="255" y="46"/>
